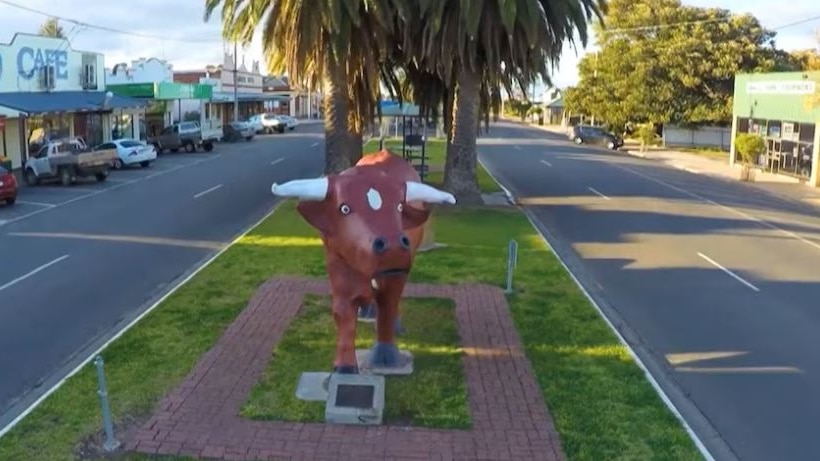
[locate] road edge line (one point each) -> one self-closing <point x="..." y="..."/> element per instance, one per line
<point x="649" y="377"/>
<point x="17" y="419"/>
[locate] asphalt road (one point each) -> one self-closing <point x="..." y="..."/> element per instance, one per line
<point x="78" y="263"/>
<point x="714" y="283"/>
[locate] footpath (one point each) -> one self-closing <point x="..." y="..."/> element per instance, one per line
<point x="786" y="187"/>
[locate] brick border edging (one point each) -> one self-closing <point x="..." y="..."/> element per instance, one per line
<point x="201" y="416"/>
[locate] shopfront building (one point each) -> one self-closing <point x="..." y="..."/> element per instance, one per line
<point x="780" y="108"/>
<point x="50" y="91"/>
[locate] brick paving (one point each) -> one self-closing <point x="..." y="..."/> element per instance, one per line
<point x="201" y="417"/>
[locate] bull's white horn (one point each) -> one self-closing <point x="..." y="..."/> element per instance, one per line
<point x="420" y="192"/>
<point x="303" y="189"/>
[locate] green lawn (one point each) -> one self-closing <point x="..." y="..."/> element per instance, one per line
<point x="603" y="407"/>
<point x="435" y="153"/>
<point x="435" y="395"/>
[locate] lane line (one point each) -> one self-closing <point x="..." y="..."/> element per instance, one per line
<point x="34" y="272"/>
<point x="195" y="270"/>
<point x="100" y="191"/>
<point x="277" y="161"/>
<point x="598" y="193"/>
<point x="315" y="144"/>
<point x="26" y="202"/>
<point x="546" y="163"/>
<point x="720" y="205"/>
<point x="730" y="273"/>
<point x="208" y="191"/>
<point x="517" y="147"/>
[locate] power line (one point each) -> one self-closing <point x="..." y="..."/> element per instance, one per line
<point x="104" y="28"/>
<point x="703" y="21"/>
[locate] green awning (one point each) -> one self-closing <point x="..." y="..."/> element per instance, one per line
<point x="162" y="90"/>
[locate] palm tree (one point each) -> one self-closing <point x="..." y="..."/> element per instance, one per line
<point x="337" y="45"/>
<point x="477" y="47"/>
<point x="52" y="28"/>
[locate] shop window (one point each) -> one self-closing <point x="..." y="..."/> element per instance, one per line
<point x="773" y="129"/>
<point x="123" y="127"/>
<point x="742" y="125"/>
<point x="758" y="126"/>
<point x="806" y="132"/>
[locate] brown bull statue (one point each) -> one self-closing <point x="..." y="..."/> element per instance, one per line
<point x="371" y="219"/>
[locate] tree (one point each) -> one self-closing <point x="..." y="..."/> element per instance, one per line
<point x="807" y="60"/>
<point x="477" y="47"/>
<point x="661" y="62"/>
<point x="338" y="45"/>
<point x="52" y="28"/>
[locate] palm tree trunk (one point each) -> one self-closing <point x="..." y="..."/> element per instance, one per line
<point x="336" y="108"/>
<point x="460" y="167"/>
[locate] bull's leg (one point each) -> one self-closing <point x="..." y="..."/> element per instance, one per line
<point x="344" y="315"/>
<point x="385" y="354"/>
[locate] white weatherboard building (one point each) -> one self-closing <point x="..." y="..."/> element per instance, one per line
<point x="49" y="90"/>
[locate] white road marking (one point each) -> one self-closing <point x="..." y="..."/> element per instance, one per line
<point x="276" y="161"/>
<point x="546" y="163"/>
<point x="720" y="205"/>
<point x="598" y="193"/>
<point x="517" y="147"/>
<point x="117" y="335"/>
<point x="35" y="271"/>
<point x="208" y="191"/>
<point x="100" y="191"/>
<point x="730" y="273"/>
<point x="26" y="202"/>
<point x="315" y="144"/>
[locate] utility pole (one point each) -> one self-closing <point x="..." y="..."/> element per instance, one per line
<point x="235" y="87"/>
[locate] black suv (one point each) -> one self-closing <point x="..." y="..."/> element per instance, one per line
<point x="587" y="134"/>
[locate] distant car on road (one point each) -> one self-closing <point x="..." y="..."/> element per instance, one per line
<point x="131" y="152"/>
<point x="8" y="186"/>
<point x="290" y="122"/>
<point x="588" y="134"/>
<point x="267" y="123"/>
<point x="238" y="130"/>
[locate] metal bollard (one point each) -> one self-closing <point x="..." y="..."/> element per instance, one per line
<point x="512" y="261"/>
<point x="111" y="443"/>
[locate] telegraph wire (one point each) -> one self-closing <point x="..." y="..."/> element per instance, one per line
<point x="104" y="28"/>
<point x="702" y="21"/>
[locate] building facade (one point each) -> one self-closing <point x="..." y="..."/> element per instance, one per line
<point x="49" y="90"/>
<point x="778" y="107"/>
<point x="152" y="80"/>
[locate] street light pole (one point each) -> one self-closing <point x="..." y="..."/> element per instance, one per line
<point x="235" y="87"/>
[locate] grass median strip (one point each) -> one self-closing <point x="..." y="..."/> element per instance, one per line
<point x="602" y="405"/>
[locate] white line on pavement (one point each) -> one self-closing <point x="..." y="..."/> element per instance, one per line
<point x="546" y="163"/>
<point x="35" y="271"/>
<point x="730" y="273"/>
<point x="517" y="147"/>
<point x="315" y="144"/>
<point x="720" y="205"/>
<point x="598" y="193"/>
<point x="276" y="161"/>
<point x="208" y="191"/>
<point x="26" y="202"/>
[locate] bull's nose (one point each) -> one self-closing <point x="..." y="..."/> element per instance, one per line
<point x="404" y="241"/>
<point x="379" y="245"/>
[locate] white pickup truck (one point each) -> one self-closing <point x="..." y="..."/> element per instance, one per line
<point x="66" y="160"/>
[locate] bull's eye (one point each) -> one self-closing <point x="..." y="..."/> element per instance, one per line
<point x="344" y="209"/>
<point x="400" y="207"/>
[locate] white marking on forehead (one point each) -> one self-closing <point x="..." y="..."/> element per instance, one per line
<point x="374" y="199"/>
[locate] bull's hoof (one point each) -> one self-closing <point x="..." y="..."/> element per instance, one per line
<point x="346" y="369"/>
<point x="385" y="355"/>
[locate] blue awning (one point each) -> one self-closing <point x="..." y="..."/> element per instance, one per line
<point x="66" y="101"/>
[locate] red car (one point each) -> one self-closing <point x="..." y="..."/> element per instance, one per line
<point x="8" y="186"/>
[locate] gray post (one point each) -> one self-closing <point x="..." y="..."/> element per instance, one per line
<point x="512" y="261"/>
<point x="111" y="443"/>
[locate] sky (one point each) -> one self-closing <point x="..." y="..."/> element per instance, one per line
<point x="175" y="30"/>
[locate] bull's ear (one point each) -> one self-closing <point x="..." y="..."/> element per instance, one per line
<point x="317" y="214"/>
<point x="412" y="217"/>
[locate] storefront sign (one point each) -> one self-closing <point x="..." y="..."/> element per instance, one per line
<point x="30" y="60"/>
<point x="783" y="87"/>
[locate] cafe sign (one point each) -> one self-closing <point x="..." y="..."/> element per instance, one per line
<point x="783" y="87"/>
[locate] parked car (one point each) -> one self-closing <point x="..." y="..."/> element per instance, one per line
<point x="235" y="131"/>
<point x="182" y="135"/>
<point x="66" y="160"/>
<point x="8" y="186"/>
<point x="256" y="123"/>
<point x="269" y="123"/>
<point x="290" y="122"/>
<point x="130" y="152"/>
<point x="587" y="134"/>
